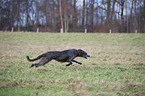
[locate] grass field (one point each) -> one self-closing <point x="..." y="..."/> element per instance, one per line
<point x="116" y="66"/>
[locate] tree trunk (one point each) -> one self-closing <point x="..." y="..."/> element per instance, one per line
<point x="87" y="13"/>
<point x="136" y="18"/>
<point x="74" y="17"/>
<point x="131" y="19"/>
<point x="13" y="14"/>
<point x="83" y="14"/>
<point x="108" y="13"/>
<point x="144" y="16"/>
<point x="112" y="14"/>
<point x="126" y="18"/>
<point x="18" y="18"/>
<point x="27" y="18"/>
<point x="60" y="10"/>
<point x="122" y="16"/>
<point x="92" y="15"/>
<point x="65" y="20"/>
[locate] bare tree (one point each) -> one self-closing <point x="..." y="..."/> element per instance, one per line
<point x="87" y="13"/>
<point x="74" y="16"/>
<point x="92" y="15"/>
<point x="60" y="10"/>
<point x="144" y="16"/>
<point x="83" y="14"/>
<point x="66" y="9"/>
<point x="18" y="15"/>
<point x="112" y="14"/>
<point x="122" y="15"/>
<point x="108" y="12"/>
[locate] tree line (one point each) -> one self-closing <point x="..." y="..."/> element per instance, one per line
<point x="114" y="16"/>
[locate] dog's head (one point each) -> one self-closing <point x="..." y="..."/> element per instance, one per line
<point x="82" y="53"/>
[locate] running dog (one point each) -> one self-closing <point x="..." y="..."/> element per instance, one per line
<point x="60" y="56"/>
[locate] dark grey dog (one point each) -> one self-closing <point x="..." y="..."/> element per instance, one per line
<point x="60" y="56"/>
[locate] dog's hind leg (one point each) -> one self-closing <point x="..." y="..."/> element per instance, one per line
<point x="70" y="63"/>
<point x="43" y="61"/>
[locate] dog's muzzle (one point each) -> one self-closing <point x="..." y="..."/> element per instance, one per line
<point x="87" y="56"/>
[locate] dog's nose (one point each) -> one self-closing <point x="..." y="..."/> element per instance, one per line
<point x="88" y="55"/>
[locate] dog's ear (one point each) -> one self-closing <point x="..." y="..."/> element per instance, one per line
<point x="80" y="50"/>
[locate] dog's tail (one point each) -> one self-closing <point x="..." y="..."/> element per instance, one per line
<point x="34" y="58"/>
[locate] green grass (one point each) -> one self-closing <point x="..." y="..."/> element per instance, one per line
<point x="116" y="66"/>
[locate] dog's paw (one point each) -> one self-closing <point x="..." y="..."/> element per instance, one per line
<point x="80" y="63"/>
<point x="31" y="66"/>
<point x="68" y="64"/>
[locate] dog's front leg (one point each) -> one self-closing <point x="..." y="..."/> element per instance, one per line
<point x="77" y="62"/>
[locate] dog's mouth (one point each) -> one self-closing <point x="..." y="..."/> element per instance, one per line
<point x="86" y="56"/>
